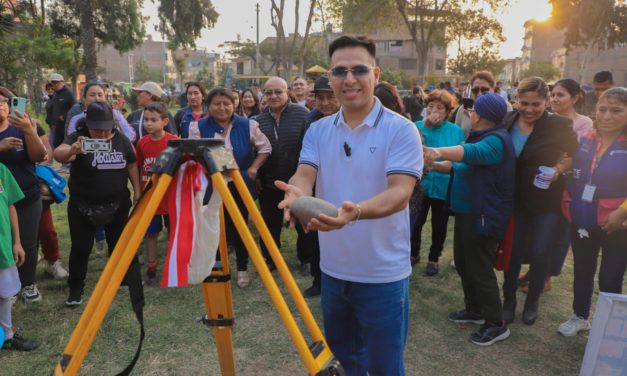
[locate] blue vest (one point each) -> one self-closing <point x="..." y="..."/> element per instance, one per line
<point x="609" y="178"/>
<point x="243" y="149"/>
<point x="492" y="187"/>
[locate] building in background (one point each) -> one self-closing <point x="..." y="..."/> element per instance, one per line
<point x="581" y="64"/>
<point x="511" y="71"/>
<point x="540" y="41"/>
<point x="153" y="61"/>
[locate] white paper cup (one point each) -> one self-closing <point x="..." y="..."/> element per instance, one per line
<point x="544" y="177"/>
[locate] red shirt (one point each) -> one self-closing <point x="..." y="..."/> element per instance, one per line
<point x="147" y="152"/>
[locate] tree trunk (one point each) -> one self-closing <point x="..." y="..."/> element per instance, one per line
<point x="88" y="40"/>
<point x="301" y="53"/>
<point x="290" y="57"/>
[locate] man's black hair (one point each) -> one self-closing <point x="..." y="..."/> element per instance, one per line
<point x="347" y="41"/>
<point x="603" y="76"/>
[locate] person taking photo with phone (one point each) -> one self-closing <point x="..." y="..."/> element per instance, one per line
<point x="20" y="149"/>
<point x="99" y="194"/>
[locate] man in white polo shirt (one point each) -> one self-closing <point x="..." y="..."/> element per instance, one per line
<point x="364" y="159"/>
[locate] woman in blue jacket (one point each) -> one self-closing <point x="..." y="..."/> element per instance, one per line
<point x="436" y="131"/>
<point x="596" y="205"/>
<point x="250" y="147"/>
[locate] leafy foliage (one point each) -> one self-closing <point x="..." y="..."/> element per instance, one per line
<point x="205" y="77"/>
<point x="545" y="70"/>
<point x="395" y="77"/>
<point x="181" y="22"/>
<point x="142" y="72"/>
<point x="471" y="60"/>
<point x="27" y="51"/>
<point x="591" y="22"/>
<point x="428" y="22"/>
<point x="117" y="23"/>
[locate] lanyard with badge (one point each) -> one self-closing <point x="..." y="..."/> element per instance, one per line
<point x="589" y="189"/>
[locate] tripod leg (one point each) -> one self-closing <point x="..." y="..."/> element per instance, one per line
<point x="216" y="291"/>
<point x="313" y="362"/>
<point x="111" y="277"/>
<point x="286" y="275"/>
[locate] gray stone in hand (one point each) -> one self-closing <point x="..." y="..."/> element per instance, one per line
<point x="305" y="208"/>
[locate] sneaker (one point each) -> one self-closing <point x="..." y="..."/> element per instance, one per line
<point x="18" y="343"/>
<point x="574" y="326"/>
<point x="56" y="270"/>
<point x="432" y="268"/>
<point x="453" y="264"/>
<point x="101" y="248"/>
<point x="75" y="298"/>
<point x="490" y="333"/>
<point x="151" y="277"/>
<point x="466" y="317"/>
<point x="30" y="294"/>
<point x="243" y="280"/>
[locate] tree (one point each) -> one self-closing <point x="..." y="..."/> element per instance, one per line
<point x="116" y="23"/>
<point x="247" y="48"/>
<point x="27" y="47"/>
<point x="471" y="60"/>
<point x="394" y="76"/>
<point x="285" y="57"/>
<point x="601" y="23"/>
<point x="120" y="24"/>
<point x="314" y="52"/>
<point x="181" y="22"/>
<point x="143" y="72"/>
<point x="206" y="78"/>
<point x="590" y="24"/>
<point x="429" y="22"/>
<point x="544" y="70"/>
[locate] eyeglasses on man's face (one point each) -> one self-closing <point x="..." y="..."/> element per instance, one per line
<point x="483" y="90"/>
<point x="357" y="71"/>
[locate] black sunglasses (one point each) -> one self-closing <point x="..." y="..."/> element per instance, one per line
<point x="475" y="90"/>
<point x="342" y="72"/>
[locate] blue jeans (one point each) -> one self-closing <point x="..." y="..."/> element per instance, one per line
<point x="366" y="325"/>
<point x="533" y="237"/>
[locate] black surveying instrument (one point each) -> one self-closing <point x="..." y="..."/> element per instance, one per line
<point x="216" y="288"/>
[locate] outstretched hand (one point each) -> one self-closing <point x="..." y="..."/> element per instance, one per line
<point x="430" y="155"/>
<point x="292" y="192"/>
<point x="349" y="211"/>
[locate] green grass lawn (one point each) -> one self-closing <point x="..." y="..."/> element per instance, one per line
<point x="177" y="345"/>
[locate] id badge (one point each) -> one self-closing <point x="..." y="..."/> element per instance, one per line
<point x="588" y="193"/>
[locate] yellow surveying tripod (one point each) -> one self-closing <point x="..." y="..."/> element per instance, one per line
<point x="317" y="357"/>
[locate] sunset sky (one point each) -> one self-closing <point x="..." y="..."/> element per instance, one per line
<point x="238" y="17"/>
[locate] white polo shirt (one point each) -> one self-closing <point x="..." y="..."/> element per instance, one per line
<point x="374" y="250"/>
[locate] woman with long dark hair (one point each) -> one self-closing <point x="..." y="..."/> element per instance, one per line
<point x="20" y="149"/>
<point x="195" y="94"/>
<point x="249" y="106"/>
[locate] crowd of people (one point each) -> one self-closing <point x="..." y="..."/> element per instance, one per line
<point x="543" y="166"/>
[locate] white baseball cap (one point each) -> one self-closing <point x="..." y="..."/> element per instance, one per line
<point x="151" y="87"/>
<point x="56" y="77"/>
